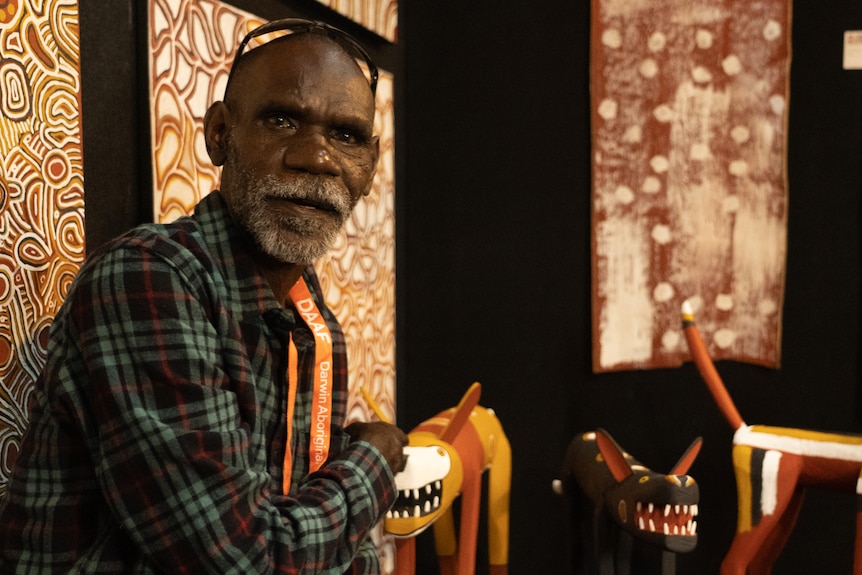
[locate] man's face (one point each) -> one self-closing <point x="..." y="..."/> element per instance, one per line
<point x="299" y="148"/>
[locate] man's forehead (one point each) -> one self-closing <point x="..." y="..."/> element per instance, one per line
<point x="297" y="61"/>
<point x="308" y="51"/>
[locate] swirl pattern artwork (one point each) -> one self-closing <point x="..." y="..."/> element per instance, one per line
<point x="41" y="195"/>
<point x="689" y="111"/>
<point x="379" y="16"/>
<point x="192" y="45"/>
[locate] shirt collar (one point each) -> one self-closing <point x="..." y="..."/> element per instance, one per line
<point x="233" y="252"/>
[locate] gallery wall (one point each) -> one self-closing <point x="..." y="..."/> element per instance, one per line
<point x="496" y="284"/>
<point x="493" y="259"/>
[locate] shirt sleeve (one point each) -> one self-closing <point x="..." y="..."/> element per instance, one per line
<point x="366" y="561"/>
<point x="171" y="432"/>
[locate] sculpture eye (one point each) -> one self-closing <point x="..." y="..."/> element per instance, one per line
<point x="643" y="479"/>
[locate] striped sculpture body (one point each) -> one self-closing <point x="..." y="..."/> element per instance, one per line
<point x="447" y="455"/>
<point x="773" y="466"/>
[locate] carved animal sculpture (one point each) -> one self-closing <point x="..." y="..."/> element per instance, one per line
<point x="447" y="456"/>
<point x="641" y="504"/>
<point x="773" y="466"/>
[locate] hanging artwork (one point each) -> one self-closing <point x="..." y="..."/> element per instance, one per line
<point x="379" y="16"/>
<point x="191" y="46"/>
<point x="41" y="195"/>
<point x="689" y="134"/>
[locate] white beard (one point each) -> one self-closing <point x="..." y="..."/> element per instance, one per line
<point x="287" y="239"/>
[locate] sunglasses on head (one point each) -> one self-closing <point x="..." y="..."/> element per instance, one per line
<point x="288" y="26"/>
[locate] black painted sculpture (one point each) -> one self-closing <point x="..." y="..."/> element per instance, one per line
<point x="630" y="502"/>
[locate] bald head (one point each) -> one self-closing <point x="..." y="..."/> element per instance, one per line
<point x="310" y="53"/>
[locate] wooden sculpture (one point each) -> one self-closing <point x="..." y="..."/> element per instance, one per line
<point x="631" y="502"/>
<point x="773" y="466"/>
<point x="447" y="456"/>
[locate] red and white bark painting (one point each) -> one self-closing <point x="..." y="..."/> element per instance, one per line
<point x="689" y="112"/>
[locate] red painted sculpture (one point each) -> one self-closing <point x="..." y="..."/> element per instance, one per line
<point x="773" y="466"/>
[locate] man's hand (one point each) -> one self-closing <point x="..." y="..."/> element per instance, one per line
<point x="387" y="438"/>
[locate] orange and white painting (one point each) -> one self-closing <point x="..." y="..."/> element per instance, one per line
<point x="689" y="200"/>
<point x="379" y="16"/>
<point x="41" y="195"/>
<point x="191" y="46"/>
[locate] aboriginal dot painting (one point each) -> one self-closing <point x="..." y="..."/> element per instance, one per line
<point x="689" y="133"/>
<point x="379" y="16"/>
<point x="192" y="43"/>
<point x="41" y="195"/>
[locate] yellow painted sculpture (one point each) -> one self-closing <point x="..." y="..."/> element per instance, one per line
<point x="447" y="456"/>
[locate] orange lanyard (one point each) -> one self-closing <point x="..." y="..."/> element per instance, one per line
<point x="321" y="403"/>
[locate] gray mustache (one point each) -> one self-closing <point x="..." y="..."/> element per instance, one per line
<point x="313" y="190"/>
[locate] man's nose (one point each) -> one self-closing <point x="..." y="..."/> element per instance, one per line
<point x="311" y="153"/>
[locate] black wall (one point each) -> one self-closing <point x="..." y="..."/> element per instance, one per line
<point x="493" y="186"/>
<point x="494" y="269"/>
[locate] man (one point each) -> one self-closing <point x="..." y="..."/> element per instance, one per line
<point x="188" y="355"/>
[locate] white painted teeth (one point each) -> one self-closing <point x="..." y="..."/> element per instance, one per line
<point x="416" y="502"/>
<point x="666" y="515"/>
<point x="416" y="493"/>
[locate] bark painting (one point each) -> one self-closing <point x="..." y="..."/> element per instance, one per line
<point x="689" y="199"/>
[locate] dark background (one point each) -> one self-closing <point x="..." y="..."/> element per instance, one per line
<point x="493" y="214"/>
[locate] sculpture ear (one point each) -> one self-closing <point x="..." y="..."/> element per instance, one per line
<point x="613" y="455"/>
<point x="682" y="466"/>
<point x="462" y="413"/>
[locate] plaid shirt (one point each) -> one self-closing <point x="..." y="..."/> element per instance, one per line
<point x="157" y="427"/>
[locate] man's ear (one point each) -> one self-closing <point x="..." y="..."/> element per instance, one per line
<point x="215" y="132"/>
<point x="375" y="153"/>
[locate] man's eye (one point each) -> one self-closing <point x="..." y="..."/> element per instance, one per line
<point x="279" y="121"/>
<point x="347" y="137"/>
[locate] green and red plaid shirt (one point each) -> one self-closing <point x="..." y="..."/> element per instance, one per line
<point x="157" y="427"/>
